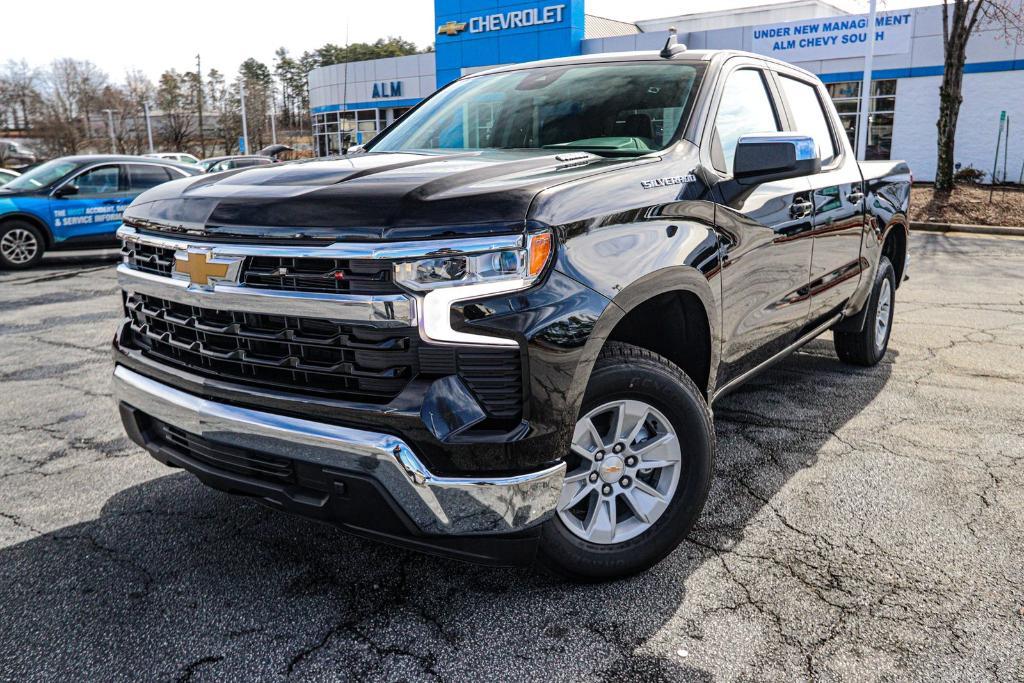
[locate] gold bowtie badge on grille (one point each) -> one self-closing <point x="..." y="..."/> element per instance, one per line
<point x="202" y="268"/>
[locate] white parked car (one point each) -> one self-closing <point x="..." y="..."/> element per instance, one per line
<point x="180" y="157"/>
<point x="7" y="175"/>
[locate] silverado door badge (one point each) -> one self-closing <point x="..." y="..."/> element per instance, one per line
<point x="670" y="180"/>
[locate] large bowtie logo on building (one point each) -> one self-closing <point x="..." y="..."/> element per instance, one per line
<point x="202" y="268"/>
<point x="451" y="28"/>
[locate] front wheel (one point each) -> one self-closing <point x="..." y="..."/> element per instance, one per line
<point x="639" y="469"/>
<point x="21" y="245"/>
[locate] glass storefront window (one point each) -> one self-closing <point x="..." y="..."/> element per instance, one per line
<point x="335" y="132"/>
<point x="846" y="96"/>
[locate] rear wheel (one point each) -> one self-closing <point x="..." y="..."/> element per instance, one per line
<point x="638" y="472"/>
<point x="21" y="245"/>
<point x="868" y="346"/>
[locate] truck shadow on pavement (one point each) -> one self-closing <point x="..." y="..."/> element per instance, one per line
<point x="176" y="581"/>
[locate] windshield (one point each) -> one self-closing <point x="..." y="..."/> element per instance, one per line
<point x="42" y="175"/>
<point x="616" y="109"/>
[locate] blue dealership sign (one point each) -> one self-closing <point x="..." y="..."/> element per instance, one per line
<point x="478" y="33"/>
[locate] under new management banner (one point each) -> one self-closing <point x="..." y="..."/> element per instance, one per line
<point x="833" y="37"/>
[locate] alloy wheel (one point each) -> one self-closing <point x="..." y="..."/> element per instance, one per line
<point x="624" y="468"/>
<point x="19" y="246"/>
<point x="882" y="313"/>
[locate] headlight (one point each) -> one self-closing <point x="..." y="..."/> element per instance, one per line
<point x="455" y="269"/>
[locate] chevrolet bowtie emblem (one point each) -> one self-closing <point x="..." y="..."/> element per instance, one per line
<point x="451" y="28"/>
<point x="201" y="267"/>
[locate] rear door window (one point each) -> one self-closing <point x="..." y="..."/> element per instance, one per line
<point x="145" y="176"/>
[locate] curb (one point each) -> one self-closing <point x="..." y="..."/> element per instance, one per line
<point x="971" y="229"/>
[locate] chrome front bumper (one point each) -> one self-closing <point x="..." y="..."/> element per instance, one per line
<point x="437" y="505"/>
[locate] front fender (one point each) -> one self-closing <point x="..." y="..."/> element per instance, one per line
<point x="666" y="280"/>
<point x="669" y="248"/>
<point x="34" y="210"/>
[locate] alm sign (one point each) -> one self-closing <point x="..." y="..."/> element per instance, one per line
<point x="833" y="37"/>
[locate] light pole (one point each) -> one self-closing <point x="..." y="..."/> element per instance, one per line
<point x="149" y="126"/>
<point x="273" y="117"/>
<point x="199" y="93"/>
<point x="865" y="88"/>
<point x="110" y="127"/>
<point x="245" y="128"/>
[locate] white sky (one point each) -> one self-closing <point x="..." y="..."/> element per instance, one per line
<point x="155" y="35"/>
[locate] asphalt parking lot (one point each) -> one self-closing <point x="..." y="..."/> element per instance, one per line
<point x="864" y="524"/>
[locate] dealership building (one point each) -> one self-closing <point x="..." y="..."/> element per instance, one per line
<point x="353" y="102"/>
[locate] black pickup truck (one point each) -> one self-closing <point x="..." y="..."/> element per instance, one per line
<point x="497" y="332"/>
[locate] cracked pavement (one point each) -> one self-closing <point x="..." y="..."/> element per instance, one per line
<point x="864" y="524"/>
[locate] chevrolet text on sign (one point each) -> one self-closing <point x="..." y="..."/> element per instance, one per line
<point x="833" y="37"/>
<point x="517" y="19"/>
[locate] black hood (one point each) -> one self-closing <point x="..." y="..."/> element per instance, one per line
<point x="371" y="197"/>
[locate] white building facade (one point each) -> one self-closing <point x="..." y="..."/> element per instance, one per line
<point x="352" y="103"/>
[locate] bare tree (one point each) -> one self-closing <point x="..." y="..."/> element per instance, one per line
<point x="172" y="98"/>
<point x="71" y="91"/>
<point x="18" y="93"/>
<point x="259" y="88"/>
<point x="137" y="91"/>
<point x="960" y="19"/>
<point x="224" y="104"/>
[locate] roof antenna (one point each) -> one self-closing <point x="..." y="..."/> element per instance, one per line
<point x="672" y="45"/>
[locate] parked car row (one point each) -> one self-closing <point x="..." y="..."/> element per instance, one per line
<point x="77" y="201"/>
<point x="16" y="155"/>
<point x="180" y="157"/>
<point x="74" y="202"/>
<point x="7" y="175"/>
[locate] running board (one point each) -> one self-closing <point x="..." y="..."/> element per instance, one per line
<point x="736" y="381"/>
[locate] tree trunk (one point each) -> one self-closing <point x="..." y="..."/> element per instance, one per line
<point x="950" y="99"/>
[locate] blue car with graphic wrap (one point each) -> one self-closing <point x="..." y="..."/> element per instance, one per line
<point x="74" y="202"/>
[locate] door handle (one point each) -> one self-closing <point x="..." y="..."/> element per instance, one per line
<point x="800" y="208"/>
<point x="855" y="197"/>
<point x="111" y="201"/>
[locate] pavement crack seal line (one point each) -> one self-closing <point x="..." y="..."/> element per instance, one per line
<point x="63" y="275"/>
<point x="114" y="555"/>
<point x="20" y="523"/>
<point x="351" y="626"/>
<point x="191" y="667"/>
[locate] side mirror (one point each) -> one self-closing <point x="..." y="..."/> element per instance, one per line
<point x="774" y="156"/>
<point x="66" y="191"/>
<point x="354" y="149"/>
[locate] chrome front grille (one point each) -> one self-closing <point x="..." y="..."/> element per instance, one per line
<point x="319" y="321"/>
<point x="276" y="351"/>
<point x="341" y="276"/>
<point x="283" y="273"/>
<point x="148" y="258"/>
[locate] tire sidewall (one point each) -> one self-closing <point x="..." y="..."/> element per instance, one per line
<point x="885" y="272"/>
<point x="6" y="227"/>
<point x="681" y="403"/>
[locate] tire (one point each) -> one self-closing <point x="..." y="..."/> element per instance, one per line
<point x="21" y="245"/>
<point x="868" y="346"/>
<point x="627" y="381"/>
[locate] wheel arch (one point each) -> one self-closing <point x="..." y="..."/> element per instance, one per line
<point x="894" y="242"/>
<point x="34" y="220"/>
<point x="645" y="314"/>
